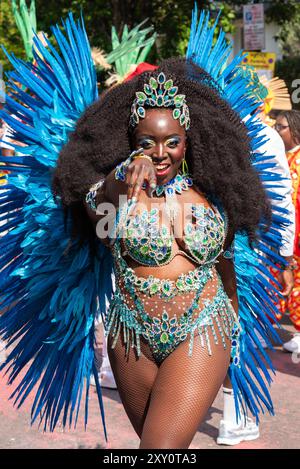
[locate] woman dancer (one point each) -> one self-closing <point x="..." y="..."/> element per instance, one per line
<point x="173" y="289"/>
<point x="170" y="320"/>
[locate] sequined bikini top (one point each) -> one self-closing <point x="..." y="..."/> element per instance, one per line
<point x="151" y="244"/>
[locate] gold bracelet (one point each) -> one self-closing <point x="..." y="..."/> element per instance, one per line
<point x="142" y="155"/>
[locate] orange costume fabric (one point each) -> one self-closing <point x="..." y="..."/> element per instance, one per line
<point x="292" y="303"/>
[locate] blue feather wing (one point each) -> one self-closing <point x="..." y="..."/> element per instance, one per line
<point x="256" y="286"/>
<point x="50" y="287"/>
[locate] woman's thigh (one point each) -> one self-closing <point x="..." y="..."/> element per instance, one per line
<point x="184" y="389"/>
<point x="134" y="378"/>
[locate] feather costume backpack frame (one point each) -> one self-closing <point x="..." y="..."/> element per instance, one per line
<point x="51" y="291"/>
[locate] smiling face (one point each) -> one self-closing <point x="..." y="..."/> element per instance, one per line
<point x="164" y="140"/>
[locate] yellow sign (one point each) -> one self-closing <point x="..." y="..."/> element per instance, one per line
<point x="263" y="62"/>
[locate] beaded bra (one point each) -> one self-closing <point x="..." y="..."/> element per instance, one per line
<point x="152" y="245"/>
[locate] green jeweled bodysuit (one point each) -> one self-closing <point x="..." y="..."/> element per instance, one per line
<point x="148" y="308"/>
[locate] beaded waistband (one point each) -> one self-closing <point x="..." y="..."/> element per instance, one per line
<point x="166" y="288"/>
<point x="165" y="333"/>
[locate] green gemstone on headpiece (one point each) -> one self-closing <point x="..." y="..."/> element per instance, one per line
<point x="160" y="92"/>
<point x="173" y="91"/>
<point x="147" y="89"/>
<point x="167" y="102"/>
<point x="141" y="112"/>
<point x="168" y="84"/>
<point x="153" y="83"/>
<point x="141" y="96"/>
<point x="161" y="78"/>
<point x="176" y="113"/>
<point x="178" y="99"/>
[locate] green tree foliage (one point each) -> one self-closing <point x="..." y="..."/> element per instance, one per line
<point x="289" y="35"/>
<point x="279" y="11"/>
<point x="10" y="37"/>
<point x="171" y="20"/>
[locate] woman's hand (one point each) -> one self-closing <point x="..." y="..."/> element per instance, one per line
<point x="286" y="278"/>
<point x="139" y="171"/>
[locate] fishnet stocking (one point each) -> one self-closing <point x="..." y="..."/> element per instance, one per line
<point x="184" y="389"/>
<point x="134" y="377"/>
<point x="166" y="403"/>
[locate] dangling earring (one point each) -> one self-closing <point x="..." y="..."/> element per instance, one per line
<point x="184" y="167"/>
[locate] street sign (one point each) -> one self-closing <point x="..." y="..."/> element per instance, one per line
<point x="263" y="62"/>
<point x="254" y="26"/>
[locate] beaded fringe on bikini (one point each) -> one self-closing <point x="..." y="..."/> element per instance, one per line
<point x="165" y="334"/>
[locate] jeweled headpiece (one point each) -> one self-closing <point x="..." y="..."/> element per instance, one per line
<point x="160" y="92"/>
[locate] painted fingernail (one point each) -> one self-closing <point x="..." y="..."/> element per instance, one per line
<point x="153" y="185"/>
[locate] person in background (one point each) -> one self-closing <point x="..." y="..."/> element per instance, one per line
<point x="6" y="148"/>
<point x="230" y="432"/>
<point x="2" y="129"/>
<point x="105" y="374"/>
<point x="288" y="127"/>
